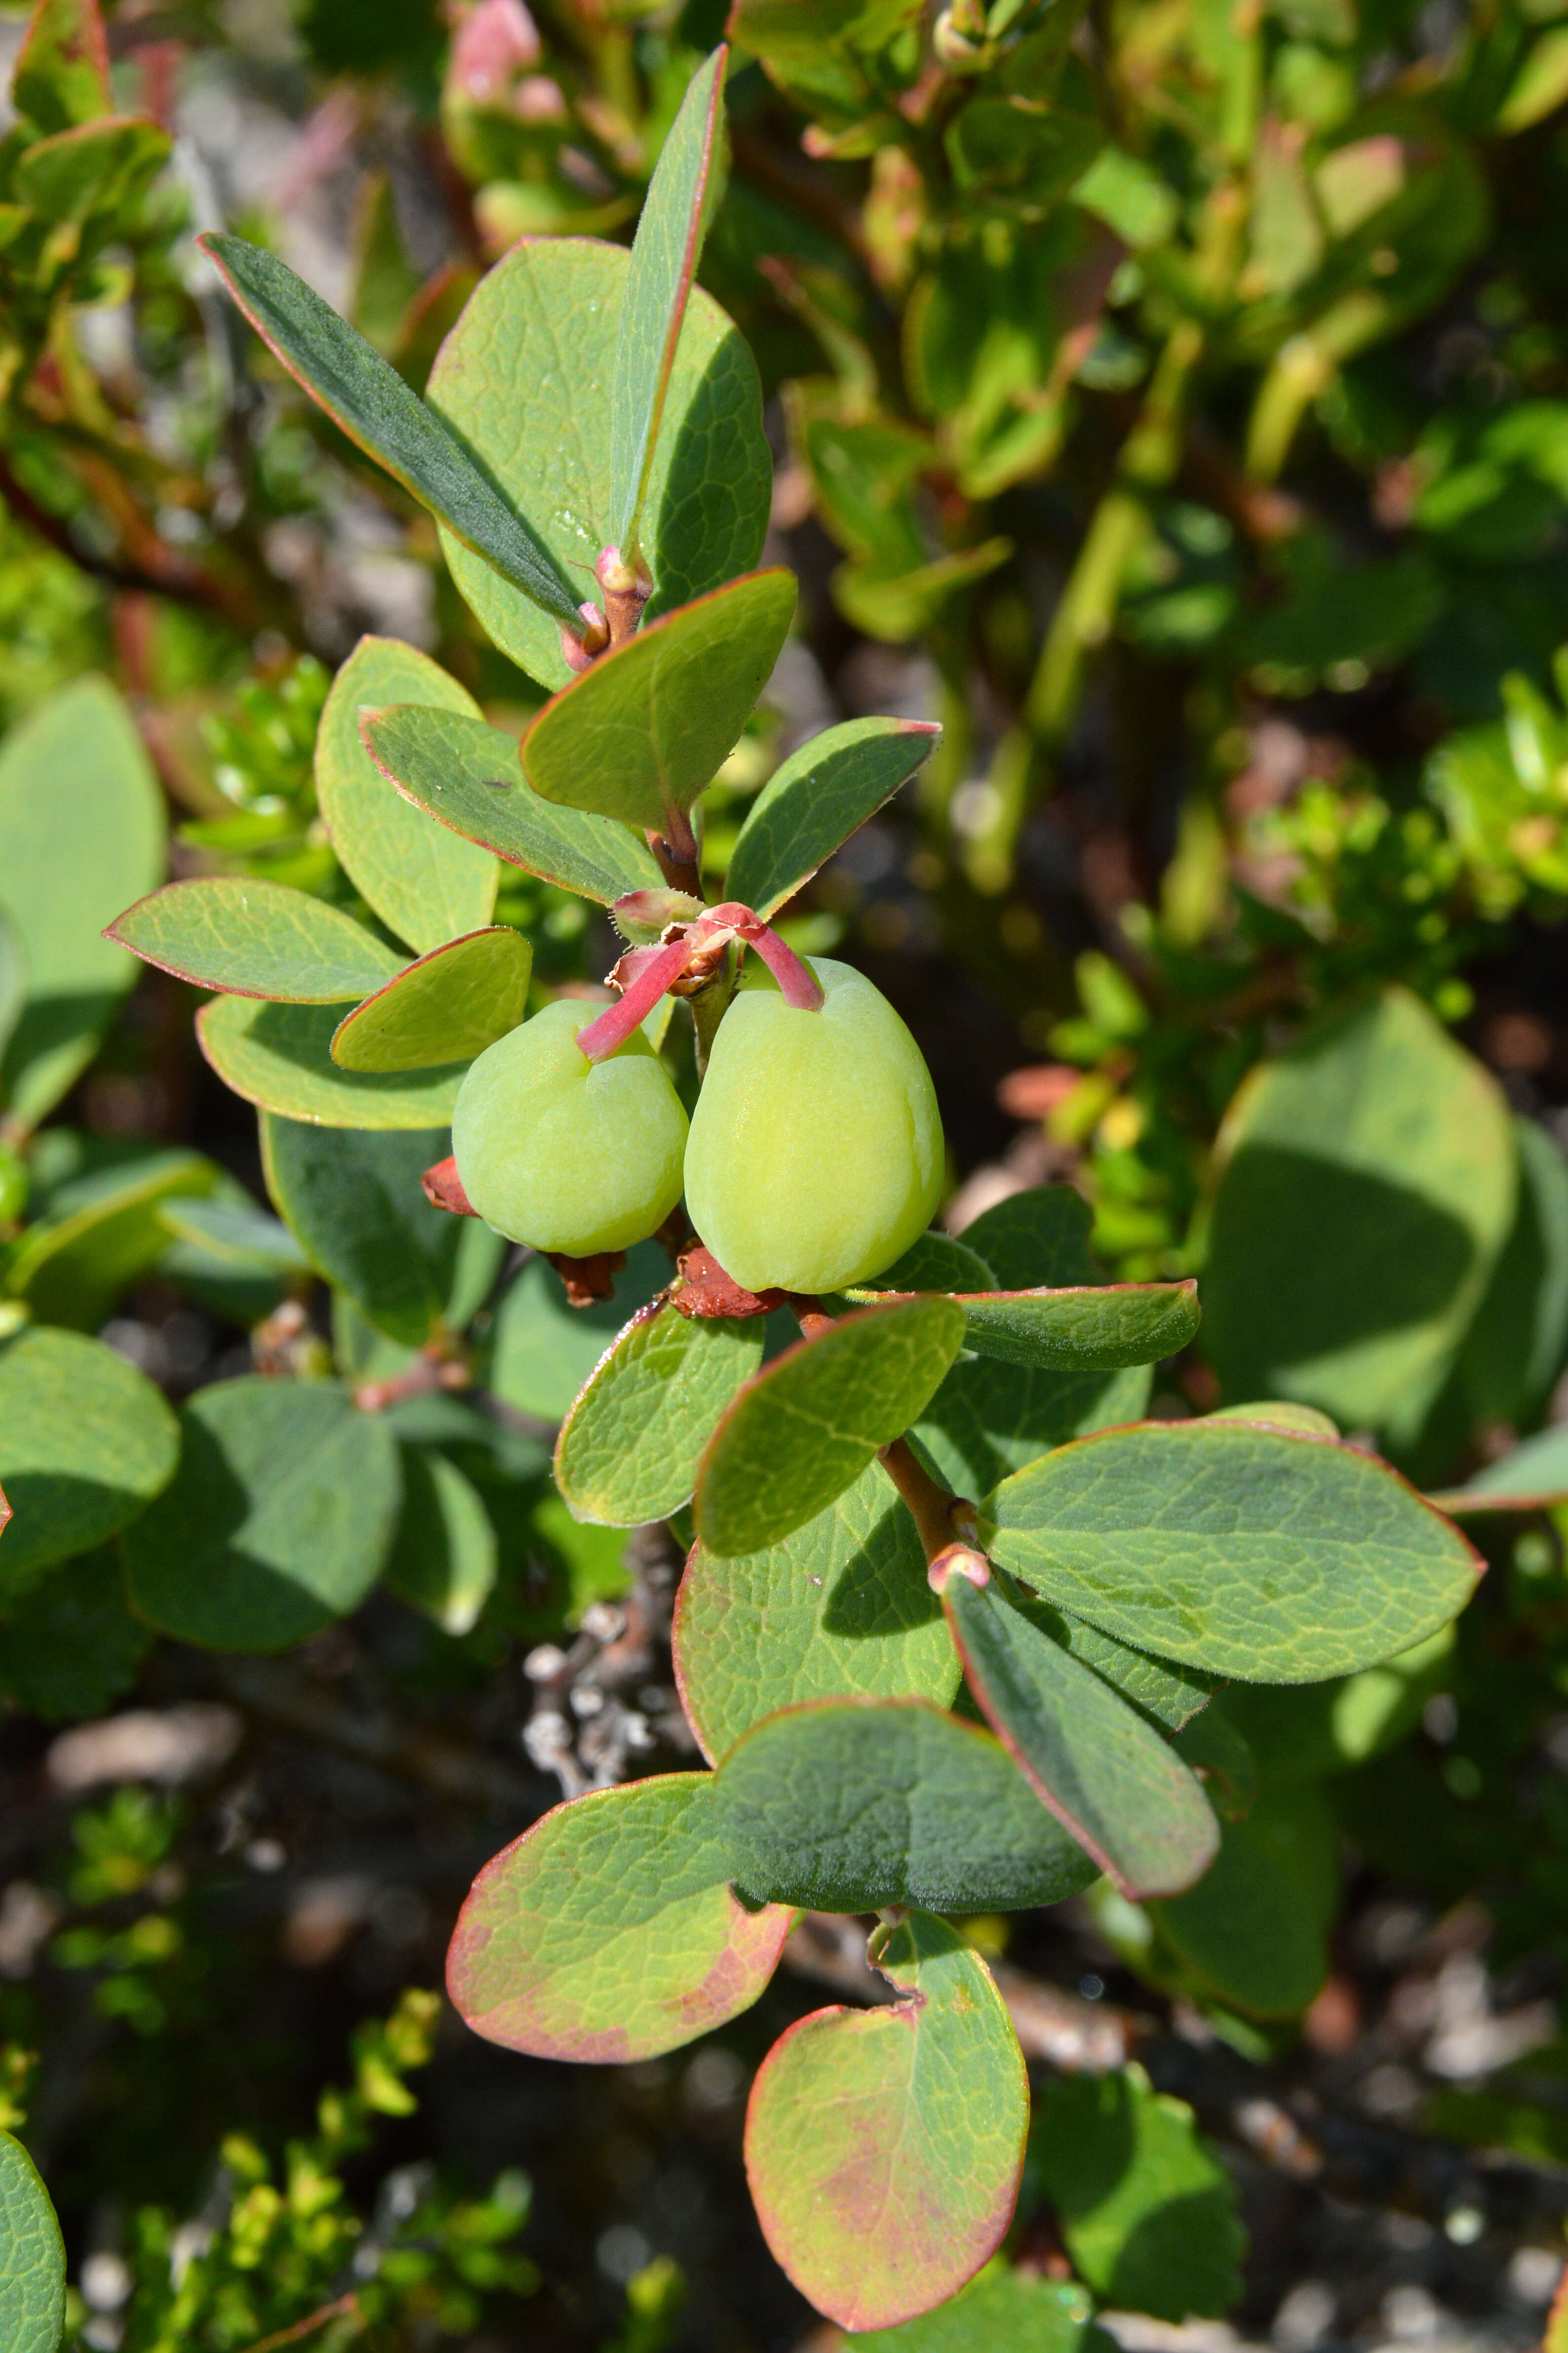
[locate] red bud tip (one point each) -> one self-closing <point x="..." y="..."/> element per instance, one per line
<point x="959" y="1560"/>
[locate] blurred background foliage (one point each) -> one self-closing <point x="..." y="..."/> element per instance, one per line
<point x="1171" y="396"/>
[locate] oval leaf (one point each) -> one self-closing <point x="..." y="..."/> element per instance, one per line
<point x="86" y="1441"/>
<point x="255" y="939"/>
<point x="32" y="2257"/>
<point x="805" y="1429"/>
<point x="1254" y="1930"/>
<point x="642" y="731"/>
<point x="525" y="377"/>
<point x="369" y="401"/>
<point x="447" y="1007"/>
<point x="1259" y="1553"/>
<point x="279" y="1057"/>
<point x="1099" y="1328"/>
<point x="817" y="799"/>
<point x="840" y="1609"/>
<point x="884" y="2146"/>
<point x="73" y="774"/>
<point x="1530" y="1477"/>
<point x="444" y="1554"/>
<point x="609" y="1931"/>
<point x="277" y="1520"/>
<point x="629" y="1447"/>
<point x="468" y="775"/>
<point x="422" y="880"/>
<point x="101" y="1231"/>
<point x="1109" y="1779"/>
<point x="542" y="1350"/>
<point x="848" y="1805"/>
<point x="353" y="1199"/>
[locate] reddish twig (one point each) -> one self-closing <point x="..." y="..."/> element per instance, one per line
<point x="338" y="2310"/>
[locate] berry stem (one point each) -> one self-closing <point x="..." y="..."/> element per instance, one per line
<point x="798" y="984"/>
<point x="609" y="1031"/>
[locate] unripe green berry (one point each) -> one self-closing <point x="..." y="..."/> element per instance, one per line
<point x="565" y="1154"/>
<point x="815" y="1154"/>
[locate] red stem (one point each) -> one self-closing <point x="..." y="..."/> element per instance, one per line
<point x="798" y="984"/>
<point x="609" y="1031"/>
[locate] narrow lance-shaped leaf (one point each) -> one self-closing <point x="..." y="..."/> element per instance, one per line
<point x="629" y="1447"/>
<point x="664" y="263"/>
<point x="808" y="1425"/>
<point x="851" y="1804"/>
<point x="884" y="2146"/>
<point x="447" y="1007"/>
<point x="640" y="734"/>
<point x="252" y="938"/>
<point x="369" y="400"/>
<point x="818" y="796"/>
<point x="1252" y="1552"/>
<point x="610" y="1932"/>
<point x="1106" y="1774"/>
<point x="467" y="774"/>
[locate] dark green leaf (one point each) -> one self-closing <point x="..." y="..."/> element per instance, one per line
<point x="1038" y="1239"/>
<point x="808" y="1425"/>
<point x="32" y="2257"/>
<point x="424" y="882"/>
<point x="369" y="400"/>
<point x="525" y="377"/>
<point x="1514" y="1351"/>
<point x="279" y="1057"/>
<point x="669" y="235"/>
<point x="988" y="1418"/>
<point x="640" y="734"/>
<point x="74" y="771"/>
<point x="610" y="1932"/>
<point x="1252" y="1932"/>
<point x="86" y="1441"/>
<point x="69" y="1645"/>
<point x="255" y="938"/>
<point x="813" y="803"/>
<point x="883" y="2147"/>
<point x="449" y="1006"/>
<point x="353" y="1198"/>
<point x="1101" y="1328"/>
<point x="468" y="775"/>
<point x="848" y="1806"/>
<point x="1108" y="1776"/>
<point x="278" y="1519"/>
<point x="628" y="1449"/>
<point x="544" y="1351"/>
<point x="1147" y="2209"/>
<point x="840" y="1609"/>
<point x="100" y="1233"/>
<point x="933" y="1262"/>
<point x="1248" y="1551"/>
<point x="444" y="1553"/>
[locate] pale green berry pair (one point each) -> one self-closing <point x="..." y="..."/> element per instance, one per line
<point x="813" y="1160"/>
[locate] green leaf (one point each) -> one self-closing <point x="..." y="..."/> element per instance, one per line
<point x="1171" y="1695"/>
<point x="449" y="1006"/>
<point x="640" y="734"/>
<point x="1038" y="1239"/>
<point x="808" y="1425"/>
<point x="609" y="1931"/>
<point x="933" y="1262"/>
<point x="100" y="1233"/>
<point x="95" y="167"/>
<point x="669" y="235"/>
<point x="1106" y="1775"/>
<point x="848" y="1805"/>
<point x="1304" y="1732"/>
<point x="884" y="2146"/>
<point x="628" y="1449"/>
<point x="1529" y="1478"/>
<point x="1101" y="1328"/>
<point x="840" y="1609"/>
<point x="278" y="1519"/>
<point x="816" y="799"/>
<point x="1514" y="1351"/>
<point x="1250" y="1552"/>
<point x="12" y="977"/>
<point x="369" y="402"/>
<point x="1147" y="2209"/>
<point x="61" y="73"/>
<point x="524" y="378"/>
<point x="988" y="1419"/>
<point x="1001" y="2308"/>
<point x="86" y="1441"/>
<point x="1252" y="1931"/>
<point x="279" y="1057"/>
<point x="544" y="1351"/>
<point x="69" y="1645"/>
<point x="353" y="1199"/>
<point x="444" y="1553"/>
<point x="32" y="2257"/>
<point x="1367" y="1185"/>
<point x="427" y="885"/>
<point x="468" y="775"/>
<point x="235" y="1233"/>
<point x="73" y="772"/>
<point x="255" y="938"/>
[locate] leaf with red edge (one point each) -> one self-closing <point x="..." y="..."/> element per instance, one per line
<point x="609" y="1931"/>
<point x="61" y="73"/>
<point x="450" y="1005"/>
<point x="884" y="2146"/>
